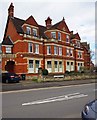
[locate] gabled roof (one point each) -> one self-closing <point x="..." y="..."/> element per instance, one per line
<point x="77" y="36"/>
<point x="7" y="41"/>
<point x="42" y="29"/>
<point x="61" y="26"/>
<point x="18" y="24"/>
<point x="85" y="45"/>
<point x="31" y="21"/>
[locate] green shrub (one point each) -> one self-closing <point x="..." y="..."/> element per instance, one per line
<point x="67" y="72"/>
<point x="45" y="72"/>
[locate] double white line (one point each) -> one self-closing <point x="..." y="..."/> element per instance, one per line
<point x="58" y="98"/>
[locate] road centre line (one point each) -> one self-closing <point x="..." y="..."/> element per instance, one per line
<point x="36" y="89"/>
<point x="54" y="99"/>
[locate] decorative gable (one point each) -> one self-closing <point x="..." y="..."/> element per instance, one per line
<point x="63" y="26"/>
<point x="31" y="21"/>
<point x="7" y="41"/>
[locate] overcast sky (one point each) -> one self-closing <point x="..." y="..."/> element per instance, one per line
<point x="79" y="15"/>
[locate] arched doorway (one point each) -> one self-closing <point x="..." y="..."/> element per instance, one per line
<point x="10" y="66"/>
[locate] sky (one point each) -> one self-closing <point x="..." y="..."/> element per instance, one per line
<point x="79" y="15"/>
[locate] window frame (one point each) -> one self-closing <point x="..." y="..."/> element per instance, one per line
<point x="59" y="36"/>
<point x="48" y="50"/>
<point x="67" y="39"/>
<point x="55" y="50"/>
<point x="60" y="51"/>
<point x="30" y="46"/>
<point x="28" y="30"/>
<point x="53" y="35"/>
<point x="8" y="50"/>
<point x="34" y="30"/>
<point x="36" y="48"/>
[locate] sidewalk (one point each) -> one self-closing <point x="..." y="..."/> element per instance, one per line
<point x="56" y="83"/>
<point x="27" y="84"/>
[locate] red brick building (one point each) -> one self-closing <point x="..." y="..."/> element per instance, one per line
<point x="27" y="46"/>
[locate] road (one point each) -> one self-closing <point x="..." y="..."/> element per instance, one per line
<point x="52" y="102"/>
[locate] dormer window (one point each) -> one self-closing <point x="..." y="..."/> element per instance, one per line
<point x="34" y="32"/>
<point x="67" y="38"/>
<point x="53" y="35"/>
<point x="28" y="30"/>
<point x="59" y="36"/>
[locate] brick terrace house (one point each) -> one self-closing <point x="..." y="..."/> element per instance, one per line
<point x="26" y="46"/>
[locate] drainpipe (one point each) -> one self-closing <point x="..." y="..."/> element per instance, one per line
<point x="75" y="57"/>
<point x="43" y="55"/>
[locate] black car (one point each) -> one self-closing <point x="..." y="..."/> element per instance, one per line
<point x="90" y="111"/>
<point x="10" y="77"/>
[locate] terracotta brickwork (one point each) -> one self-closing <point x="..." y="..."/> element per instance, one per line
<point x="30" y="46"/>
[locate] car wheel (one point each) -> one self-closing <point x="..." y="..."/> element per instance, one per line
<point x="7" y="81"/>
<point x="17" y="82"/>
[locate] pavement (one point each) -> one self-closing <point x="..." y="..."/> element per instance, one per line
<point x="28" y="84"/>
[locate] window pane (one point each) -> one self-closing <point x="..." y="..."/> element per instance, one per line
<point x="67" y="51"/>
<point x="48" y="50"/>
<point x="53" y="35"/>
<point x="56" y="64"/>
<point x="67" y="63"/>
<point x="36" y="48"/>
<point x="60" y="50"/>
<point x="30" y="47"/>
<point x="59" y="36"/>
<point x="30" y="63"/>
<point x="55" y="50"/>
<point x="8" y="49"/>
<point x="37" y="63"/>
<point x="67" y="38"/>
<point x="60" y="64"/>
<point x="48" y="64"/>
<point x="34" y="32"/>
<point x="28" y="30"/>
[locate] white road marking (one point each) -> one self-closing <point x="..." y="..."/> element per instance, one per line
<point x="54" y="99"/>
<point x="36" y="89"/>
<point x="95" y="90"/>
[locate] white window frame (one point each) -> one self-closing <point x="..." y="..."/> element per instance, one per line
<point x="37" y="48"/>
<point x="8" y="49"/>
<point x="56" y="66"/>
<point x="36" y="67"/>
<point x="67" y="52"/>
<point x="48" y="50"/>
<point x="31" y="67"/>
<point x="55" y="50"/>
<point x="59" y="36"/>
<point x="34" y="31"/>
<point x="67" y="39"/>
<point x="71" y="52"/>
<point x="28" y="30"/>
<point x="49" y="65"/>
<point x="79" y="54"/>
<point x="30" y="45"/>
<point x="60" y="51"/>
<point x="53" y="35"/>
<point x="60" y="66"/>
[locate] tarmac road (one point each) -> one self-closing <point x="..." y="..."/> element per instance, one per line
<point x="55" y="102"/>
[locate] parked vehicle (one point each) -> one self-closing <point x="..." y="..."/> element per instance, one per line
<point x="90" y="111"/>
<point x="10" y="77"/>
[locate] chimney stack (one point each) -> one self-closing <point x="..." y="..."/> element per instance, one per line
<point x="11" y="10"/>
<point x="48" y="22"/>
